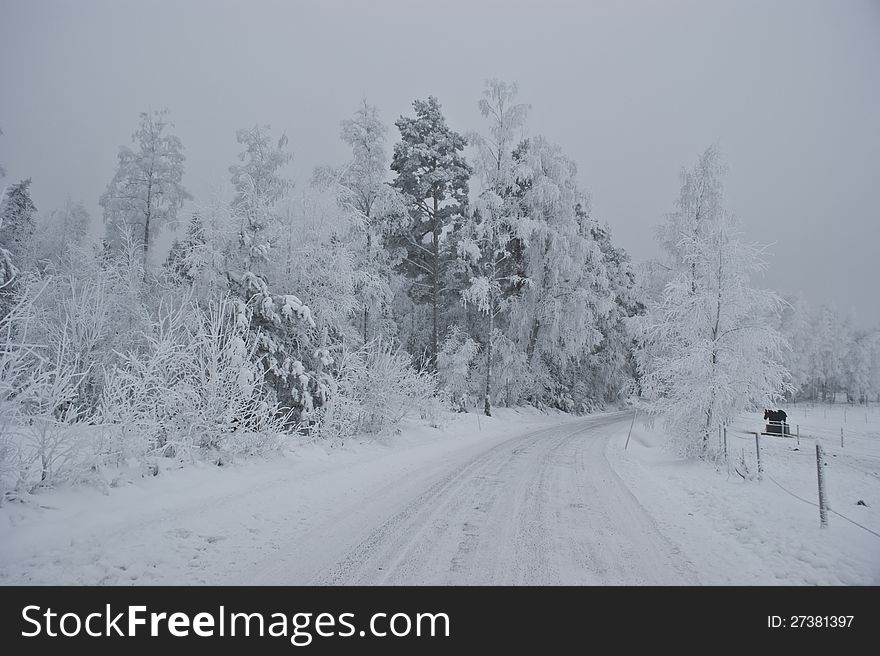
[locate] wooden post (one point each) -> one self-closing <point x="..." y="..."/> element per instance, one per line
<point x="725" y="442"/>
<point x="841" y="436"/>
<point x="758" y="451"/>
<point x="823" y="503"/>
<point x="630" y="429"/>
<point x="799" y="434"/>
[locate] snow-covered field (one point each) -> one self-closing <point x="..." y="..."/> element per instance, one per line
<point x="756" y="533"/>
<point x="436" y="504"/>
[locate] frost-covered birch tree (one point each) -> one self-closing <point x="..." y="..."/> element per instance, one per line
<point x="373" y="206"/>
<point x="556" y="318"/>
<point x="712" y="347"/>
<point x="494" y="227"/>
<point x="147" y="190"/>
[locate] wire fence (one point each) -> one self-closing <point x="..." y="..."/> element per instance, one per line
<point x="854" y="447"/>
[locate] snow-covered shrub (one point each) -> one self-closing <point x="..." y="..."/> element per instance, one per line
<point x="50" y="451"/>
<point x="16" y="359"/>
<point x="373" y="389"/>
<point x="196" y="387"/>
<point x="39" y="385"/>
<point x="233" y="411"/>
<point x="145" y="394"/>
<point x="514" y="379"/>
<point x="391" y="387"/>
<point x="88" y="312"/>
<point x="455" y="368"/>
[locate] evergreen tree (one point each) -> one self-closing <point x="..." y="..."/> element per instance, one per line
<point x="18" y="220"/>
<point x="433" y="175"/>
<point x="17" y="224"/>
<point x="186" y="257"/>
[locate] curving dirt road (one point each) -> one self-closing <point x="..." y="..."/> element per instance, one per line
<point x="543" y="508"/>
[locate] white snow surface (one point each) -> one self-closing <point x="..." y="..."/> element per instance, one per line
<point x="520" y="498"/>
<point x="737" y="532"/>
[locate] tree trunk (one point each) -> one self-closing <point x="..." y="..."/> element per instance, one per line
<point x="412" y="328"/>
<point x="366" y="312"/>
<point x="719" y="300"/>
<point x="487" y="408"/>
<point x="147" y="225"/>
<point x="435" y="290"/>
<point x="533" y="339"/>
<point x="365" y="324"/>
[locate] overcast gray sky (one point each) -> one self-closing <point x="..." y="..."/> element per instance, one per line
<point x="633" y="91"/>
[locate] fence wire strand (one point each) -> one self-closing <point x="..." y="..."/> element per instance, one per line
<point x="816" y="505"/>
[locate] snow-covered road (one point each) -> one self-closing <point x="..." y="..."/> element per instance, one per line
<point x="521" y="499"/>
<point x="539" y="508"/>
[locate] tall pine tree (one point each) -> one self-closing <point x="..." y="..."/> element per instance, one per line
<point x="433" y="175"/>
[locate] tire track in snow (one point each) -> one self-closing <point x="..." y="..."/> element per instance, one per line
<point x="543" y="508"/>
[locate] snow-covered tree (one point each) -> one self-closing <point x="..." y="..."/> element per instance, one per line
<point x="874" y="366"/>
<point x="610" y="370"/>
<point x="2" y="170"/>
<point x="17" y="225"/>
<point x="828" y="355"/>
<point x="18" y="220"/>
<point x="259" y="186"/>
<point x="187" y="256"/>
<point x="495" y="227"/>
<point x="856" y="365"/>
<point x="714" y="349"/>
<point x="699" y="208"/>
<point x="796" y="325"/>
<point x="832" y="335"/>
<point x="287" y="347"/>
<point x="59" y="230"/>
<point x="556" y="318"/>
<point x="374" y="208"/>
<point x="433" y="175"/>
<point x="147" y="190"/>
<point x="317" y="257"/>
